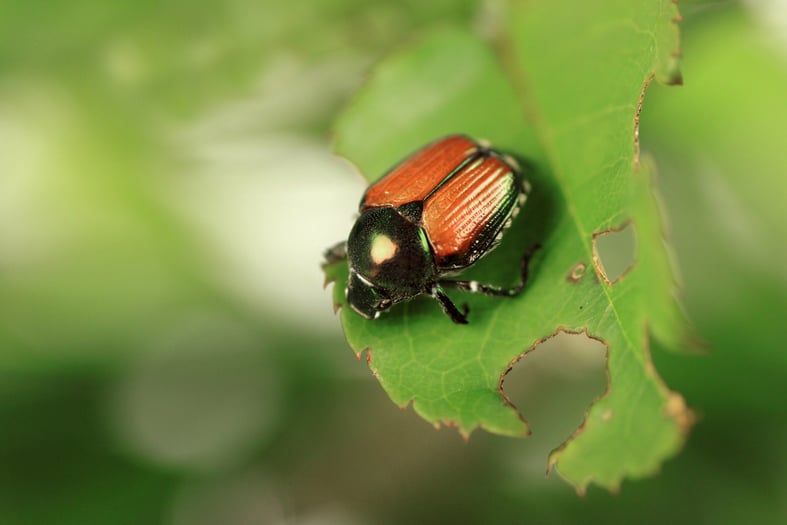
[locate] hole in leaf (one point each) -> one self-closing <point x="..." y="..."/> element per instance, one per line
<point x="614" y="252"/>
<point x="553" y="386"/>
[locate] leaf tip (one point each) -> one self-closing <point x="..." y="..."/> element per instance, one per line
<point x="368" y="351"/>
<point x="579" y="487"/>
<point x="677" y="409"/>
<point x="670" y="73"/>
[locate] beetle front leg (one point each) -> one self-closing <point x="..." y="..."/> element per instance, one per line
<point x="335" y="253"/>
<point x="448" y="306"/>
<point x="497" y="291"/>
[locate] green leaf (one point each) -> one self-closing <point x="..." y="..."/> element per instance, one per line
<point x="563" y="92"/>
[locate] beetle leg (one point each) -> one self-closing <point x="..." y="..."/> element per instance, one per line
<point x="335" y="253"/>
<point x="448" y="306"/>
<point x="488" y="289"/>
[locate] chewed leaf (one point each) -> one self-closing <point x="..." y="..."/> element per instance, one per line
<point x="564" y="96"/>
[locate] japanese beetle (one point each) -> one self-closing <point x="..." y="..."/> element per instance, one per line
<point x="433" y="215"/>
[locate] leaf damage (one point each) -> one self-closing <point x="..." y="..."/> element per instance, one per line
<point x="614" y="258"/>
<point x="674" y="409"/>
<point x="577" y="272"/>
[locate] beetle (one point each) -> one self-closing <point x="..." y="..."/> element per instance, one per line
<point x="434" y="214"/>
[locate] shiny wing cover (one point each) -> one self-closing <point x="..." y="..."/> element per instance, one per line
<point x="419" y="174"/>
<point x="466" y="216"/>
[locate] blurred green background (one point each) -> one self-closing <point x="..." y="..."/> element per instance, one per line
<point x="168" y="353"/>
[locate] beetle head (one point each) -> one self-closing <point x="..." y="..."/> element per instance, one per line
<point x="366" y="299"/>
<point x="390" y="261"/>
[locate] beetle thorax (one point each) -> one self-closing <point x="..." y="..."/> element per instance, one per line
<point x="391" y="252"/>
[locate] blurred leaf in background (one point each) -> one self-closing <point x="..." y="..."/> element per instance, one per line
<point x="167" y="353"/>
